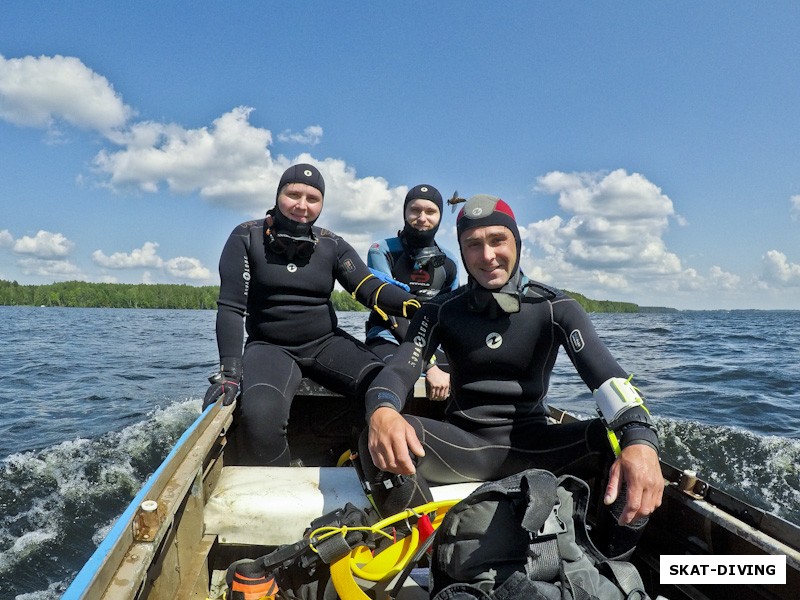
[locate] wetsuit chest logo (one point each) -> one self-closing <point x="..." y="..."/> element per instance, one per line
<point x="291" y="267"/>
<point x="494" y="340"/>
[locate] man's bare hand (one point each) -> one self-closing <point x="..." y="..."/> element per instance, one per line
<point x="392" y="441"/>
<point x="437" y="384"/>
<point x="637" y="466"/>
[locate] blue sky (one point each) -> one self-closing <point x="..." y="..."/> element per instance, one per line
<point x="650" y="150"/>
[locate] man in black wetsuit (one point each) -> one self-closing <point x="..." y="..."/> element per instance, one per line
<point x="415" y="259"/>
<point x="277" y="274"/>
<point x="501" y="333"/>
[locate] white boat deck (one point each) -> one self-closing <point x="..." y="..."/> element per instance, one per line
<point x="270" y="506"/>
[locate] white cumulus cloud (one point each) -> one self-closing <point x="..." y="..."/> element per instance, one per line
<point x="779" y="271"/>
<point x="184" y="267"/>
<point x="44" y="244"/>
<point x="43" y="91"/>
<point x="147" y="257"/>
<point x="56" y="269"/>
<point x="723" y="279"/>
<point x="140" y="257"/>
<point x="311" y="136"/>
<point x="230" y="164"/>
<point x="227" y="163"/>
<point x="617" y="220"/>
<point x="611" y="233"/>
<point x="608" y="241"/>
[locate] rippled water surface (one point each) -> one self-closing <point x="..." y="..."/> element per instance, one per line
<point x="93" y="399"/>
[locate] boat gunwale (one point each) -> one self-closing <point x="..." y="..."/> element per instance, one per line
<point x="101" y="568"/>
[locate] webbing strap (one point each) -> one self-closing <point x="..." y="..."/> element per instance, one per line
<point x="628" y="579"/>
<point x="332" y="548"/>
<point x="540" y="489"/>
<point x="543" y="525"/>
<point x="574" y="577"/>
<point x="543" y="561"/>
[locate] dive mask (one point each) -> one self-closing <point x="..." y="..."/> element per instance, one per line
<point x="292" y="246"/>
<point x="425" y="257"/>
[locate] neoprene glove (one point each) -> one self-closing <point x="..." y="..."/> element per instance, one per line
<point x="225" y="383"/>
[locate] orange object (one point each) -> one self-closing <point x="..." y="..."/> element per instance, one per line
<point x="253" y="588"/>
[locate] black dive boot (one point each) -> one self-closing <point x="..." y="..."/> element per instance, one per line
<point x="615" y="541"/>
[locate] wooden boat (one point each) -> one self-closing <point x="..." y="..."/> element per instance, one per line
<point x="196" y="515"/>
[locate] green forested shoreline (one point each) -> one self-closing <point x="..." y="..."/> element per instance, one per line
<point x="108" y="295"/>
<point x="141" y="295"/>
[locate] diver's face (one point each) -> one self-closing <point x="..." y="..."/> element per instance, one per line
<point x="489" y="254"/>
<point x="300" y="202"/>
<point x="422" y="215"/>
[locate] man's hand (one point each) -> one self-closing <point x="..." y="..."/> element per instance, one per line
<point x="437" y="383"/>
<point x="637" y="466"/>
<point x="225" y="383"/>
<point x="391" y="442"/>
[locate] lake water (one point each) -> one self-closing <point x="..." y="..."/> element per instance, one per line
<point x="93" y="399"/>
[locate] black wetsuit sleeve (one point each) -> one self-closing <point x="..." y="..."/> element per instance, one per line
<point x="356" y="278"/>
<point x="591" y="357"/>
<point x="403" y="368"/>
<point x="595" y="363"/>
<point x="234" y="277"/>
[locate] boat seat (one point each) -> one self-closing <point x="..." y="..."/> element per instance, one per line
<point x="270" y="506"/>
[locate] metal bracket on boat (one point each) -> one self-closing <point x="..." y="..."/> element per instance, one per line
<point x="690" y="485"/>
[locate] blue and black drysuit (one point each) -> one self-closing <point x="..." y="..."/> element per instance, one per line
<point x="425" y="268"/>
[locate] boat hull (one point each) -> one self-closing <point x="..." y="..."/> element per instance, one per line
<point x="180" y="554"/>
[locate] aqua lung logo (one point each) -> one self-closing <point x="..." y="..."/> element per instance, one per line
<point x="494" y="340"/>
<point x="291" y="267"/>
<point x="476" y="212"/>
<point x="576" y="340"/>
<point x="423" y="189"/>
<point x="420" y="341"/>
<point x="246" y="275"/>
<point x="307" y="173"/>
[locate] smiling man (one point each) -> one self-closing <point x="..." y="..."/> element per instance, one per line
<point x="502" y="333"/>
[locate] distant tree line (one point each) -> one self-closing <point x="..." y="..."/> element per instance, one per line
<point x="141" y="295"/>
<point x="124" y="295"/>
<point x="108" y="295"/>
<point x="598" y="306"/>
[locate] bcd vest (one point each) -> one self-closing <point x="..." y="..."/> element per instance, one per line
<point x="525" y="538"/>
